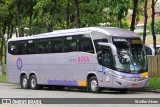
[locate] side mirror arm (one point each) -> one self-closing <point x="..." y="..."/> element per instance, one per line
<point x="112" y="46"/>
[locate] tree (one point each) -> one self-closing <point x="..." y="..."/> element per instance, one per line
<point x="67" y="13"/>
<point x="43" y="10"/>
<point x="118" y="9"/>
<point x="29" y="12"/>
<point x="92" y="13"/>
<point x="145" y="21"/>
<point x="156" y="26"/>
<point x="135" y="6"/>
<point x="17" y="4"/>
<point x="77" y="14"/>
<point x="50" y="14"/>
<point x="152" y="24"/>
<point x="6" y="25"/>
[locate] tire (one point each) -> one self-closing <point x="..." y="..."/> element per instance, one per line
<point x="24" y="82"/>
<point x="93" y="86"/>
<point x="33" y="83"/>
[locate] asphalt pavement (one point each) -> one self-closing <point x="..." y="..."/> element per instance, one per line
<point x="14" y="91"/>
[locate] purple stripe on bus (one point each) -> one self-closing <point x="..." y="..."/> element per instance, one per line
<point x="61" y="82"/>
<point x="129" y="75"/>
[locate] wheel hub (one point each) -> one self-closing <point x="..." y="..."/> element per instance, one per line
<point x="24" y="82"/>
<point x="94" y="85"/>
<point x="33" y="83"/>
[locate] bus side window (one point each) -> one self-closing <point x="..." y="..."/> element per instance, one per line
<point x="70" y="43"/>
<point x="56" y="45"/>
<point x="31" y="47"/>
<point x="12" y="48"/>
<point x="98" y="37"/>
<point x="21" y="47"/>
<point x="105" y="57"/>
<point x="85" y="44"/>
<point x="42" y="46"/>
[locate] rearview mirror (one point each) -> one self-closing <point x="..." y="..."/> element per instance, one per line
<point x="112" y="46"/>
<point x="149" y="50"/>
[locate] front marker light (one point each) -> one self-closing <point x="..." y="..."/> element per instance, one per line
<point x="146" y="77"/>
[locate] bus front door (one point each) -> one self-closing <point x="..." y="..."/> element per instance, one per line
<point x="106" y="62"/>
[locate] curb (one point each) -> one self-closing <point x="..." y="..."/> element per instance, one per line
<point x="157" y="91"/>
<point x="151" y="90"/>
<point x="148" y="90"/>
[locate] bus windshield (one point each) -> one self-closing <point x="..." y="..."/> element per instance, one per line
<point x="131" y="55"/>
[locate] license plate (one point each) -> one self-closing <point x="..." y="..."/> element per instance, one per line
<point x="135" y="85"/>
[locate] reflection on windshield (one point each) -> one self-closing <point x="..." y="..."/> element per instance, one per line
<point x="124" y="56"/>
<point x="131" y="58"/>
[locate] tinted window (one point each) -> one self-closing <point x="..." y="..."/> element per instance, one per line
<point x="70" y="43"/>
<point x="56" y="45"/>
<point x="42" y="46"/>
<point x="52" y="45"/>
<point x="105" y="57"/>
<point x="98" y="37"/>
<point x="12" y="48"/>
<point x="85" y="44"/>
<point x="21" y="45"/>
<point x="31" y="47"/>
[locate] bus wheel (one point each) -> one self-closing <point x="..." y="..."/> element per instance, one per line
<point x="24" y="82"/>
<point x="33" y="83"/>
<point x="93" y="85"/>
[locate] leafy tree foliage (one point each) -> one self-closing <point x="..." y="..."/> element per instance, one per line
<point x="118" y="9"/>
<point x="49" y="15"/>
<point x="92" y="12"/>
<point x="156" y="26"/>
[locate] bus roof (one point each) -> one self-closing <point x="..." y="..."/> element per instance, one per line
<point x="110" y="31"/>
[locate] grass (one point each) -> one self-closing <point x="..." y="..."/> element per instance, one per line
<point x="154" y="83"/>
<point x="3" y="78"/>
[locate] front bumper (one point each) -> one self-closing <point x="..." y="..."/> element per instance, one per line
<point x="123" y="83"/>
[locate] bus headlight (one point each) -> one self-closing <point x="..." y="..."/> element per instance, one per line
<point x="119" y="76"/>
<point x="146" y="77"/>
<point x="116" y="75"/>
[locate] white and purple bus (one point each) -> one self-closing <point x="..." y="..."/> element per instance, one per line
<point x="94" y="57"/>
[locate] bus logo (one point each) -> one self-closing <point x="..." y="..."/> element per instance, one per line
<point x="83" y="59"/>
<point x="19" y="63"/>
